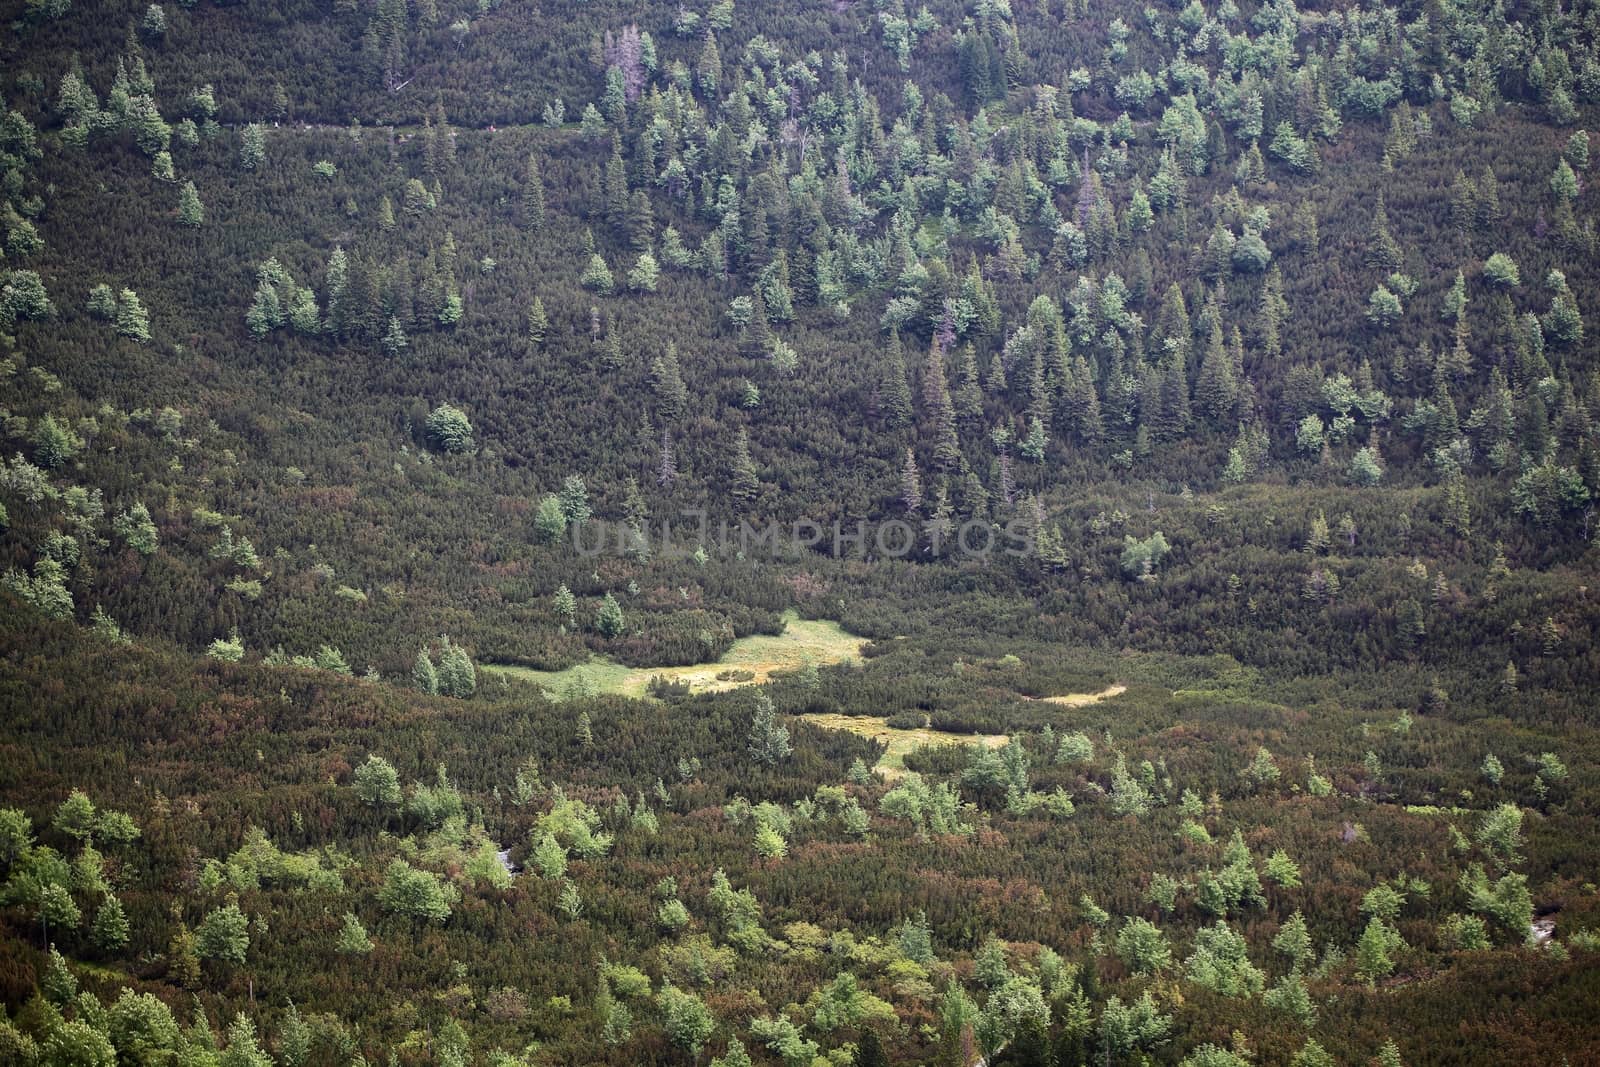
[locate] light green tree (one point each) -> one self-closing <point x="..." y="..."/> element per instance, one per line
<point x="449" y="429"/>
<point x="252" y="147"/>
<point x="191" y="212"/>
<point x="352" y="939"/>
<point x="1500" y="833"/>
<point x="566" y="607"/>
<point x="769" y="739"/>
<point x="110" y="930"/>
<point x="224" y="934"/>
<point x="132" y="320"/>
<point x="597" y="276"/>
<point x="1143" y="947"/>
<point x="415" y="893"/>
<point x="423" y="675"/>
<point x="609" y="620"/>
<point x="1500" y="270"/>
<point x="377" y="783"/>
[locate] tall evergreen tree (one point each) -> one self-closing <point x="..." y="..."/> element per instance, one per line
<point x="939" y="418"/>
<point x="666" y="380"/>
<point x="533" y="196"/>
<point x="893" y="392"/>
<point x="1216" y="390"/>
<point x="538" y="323"/>
<point x="910" y="484"/>
<point x="1383" y="251"/>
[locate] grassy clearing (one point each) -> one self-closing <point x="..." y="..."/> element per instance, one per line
<point x="751" y="661"/>
<point x="1083" y="700"/>
<point x="898" y="741"/>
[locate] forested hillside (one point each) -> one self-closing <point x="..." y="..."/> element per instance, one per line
<point x="362" y="362"/>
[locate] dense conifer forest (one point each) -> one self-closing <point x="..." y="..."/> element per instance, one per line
<point x="1179" y="423"/>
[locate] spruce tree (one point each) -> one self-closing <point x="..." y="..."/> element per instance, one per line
<point x="615" y="186"/>
<point x="538" y="323"/>
<point x="1383" y="251"/>
<point x="894" y="394"/>
<point x="340" y="305"/>
<point x="939" y="420"/>
<point x="910" y="484"/>
<point x="666" y="381"/>
<point x="574" y="498"/>
<point x="1216" y="389"/>
<point x="968" y="395"/>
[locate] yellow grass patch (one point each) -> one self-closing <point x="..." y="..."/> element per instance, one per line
<point x="1083" y="700"/>
<point x="898" y="741"/>
<point x="802" y="641"/>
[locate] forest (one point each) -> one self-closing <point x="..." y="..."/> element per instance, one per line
<point x="820" y="534"/>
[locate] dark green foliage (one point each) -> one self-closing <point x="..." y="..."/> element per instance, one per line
<point x="770" y="275"/>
